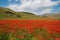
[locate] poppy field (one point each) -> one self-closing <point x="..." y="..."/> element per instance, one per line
<point x="29" y="29"/>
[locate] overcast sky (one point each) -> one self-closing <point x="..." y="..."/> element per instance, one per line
<point x="35" y="6"/>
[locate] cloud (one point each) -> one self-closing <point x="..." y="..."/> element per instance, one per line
<point x="32" y="5"/>
<point x="59" y="1"/>
<point x="13" y="7"/>
<point x="46" y="11"/>
<point x="12" y="0"/>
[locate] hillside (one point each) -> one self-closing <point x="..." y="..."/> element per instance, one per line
<point x="6" y="13"/>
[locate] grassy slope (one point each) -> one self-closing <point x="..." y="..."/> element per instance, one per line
<point x="16" y="15"/>
<point x="3" y="15"/>
<point x="25" y="15"/>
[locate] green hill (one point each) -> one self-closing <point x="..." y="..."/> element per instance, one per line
<point x="6" y="13"/>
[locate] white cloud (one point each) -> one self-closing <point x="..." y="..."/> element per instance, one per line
<point x="46" y="11"/>
<point x="38" y="3"/>
<point x="23" y="1"/>
<point x="31" y="5"/>
<point x="12" y="0"/>
<point x="13" y="7"/>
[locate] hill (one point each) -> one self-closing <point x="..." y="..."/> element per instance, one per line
<point x="6" y="13"/>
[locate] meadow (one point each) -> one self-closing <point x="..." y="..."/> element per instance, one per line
<point x="29" y="29"/>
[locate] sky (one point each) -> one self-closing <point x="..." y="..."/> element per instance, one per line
<point x="37" y="7"/>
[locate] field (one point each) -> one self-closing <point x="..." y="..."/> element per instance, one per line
<point x="29" y="29"/>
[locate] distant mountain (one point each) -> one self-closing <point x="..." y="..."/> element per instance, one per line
<point x="6" y="13"/>
<point x="52" y="15"/>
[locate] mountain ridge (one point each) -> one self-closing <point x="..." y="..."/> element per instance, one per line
<point x="6" y="13"/>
